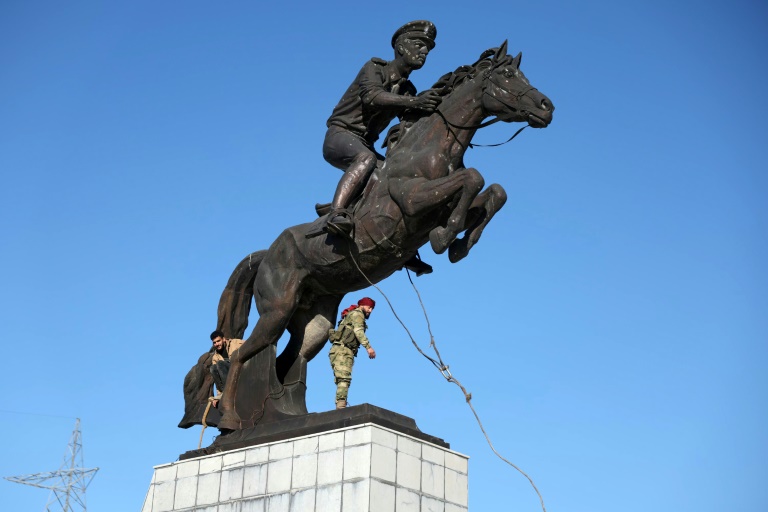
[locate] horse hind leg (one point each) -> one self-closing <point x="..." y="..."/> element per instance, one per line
<point x="309" y="334"/>
<point x="483" y="208"/>
<point x="250" y="380"/>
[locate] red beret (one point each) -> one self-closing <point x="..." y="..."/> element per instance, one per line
<point x="367" y="301"/>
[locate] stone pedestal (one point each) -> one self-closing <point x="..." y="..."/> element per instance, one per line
<point x="361" y="468"/>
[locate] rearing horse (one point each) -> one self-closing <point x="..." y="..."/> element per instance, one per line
<point x="423" y="193"/>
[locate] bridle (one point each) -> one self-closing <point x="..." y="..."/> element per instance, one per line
<point x="518" y="96"/>
<point x="488" y="77"/>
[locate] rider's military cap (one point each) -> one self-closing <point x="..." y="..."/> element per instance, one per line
<point x="419" y="29"/>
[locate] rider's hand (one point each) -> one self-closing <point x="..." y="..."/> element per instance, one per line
<point x="371" y="353"/>
<point x="427" y="101"/>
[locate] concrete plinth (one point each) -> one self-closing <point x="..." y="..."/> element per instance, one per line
<point x="362" y="468"/>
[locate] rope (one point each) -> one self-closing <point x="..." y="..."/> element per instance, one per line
<point x="442" y="367"/>
<point x="205" y="417"/>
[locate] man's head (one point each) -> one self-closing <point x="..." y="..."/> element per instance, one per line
<point x="366" y="305"/>
<point x="217" y="337"/>
<point x="413" y="41"/>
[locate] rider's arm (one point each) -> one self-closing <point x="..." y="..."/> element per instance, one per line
<point x="373" y="93"/>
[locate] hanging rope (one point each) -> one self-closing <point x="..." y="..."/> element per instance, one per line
<point x="205" y="417"/>
<point x="441" y="366"/>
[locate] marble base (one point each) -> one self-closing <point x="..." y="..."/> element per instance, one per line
<point x="361" y="468"/>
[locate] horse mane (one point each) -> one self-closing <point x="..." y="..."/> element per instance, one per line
<point x="448" y="82"/>
<point x="444" y="86"/>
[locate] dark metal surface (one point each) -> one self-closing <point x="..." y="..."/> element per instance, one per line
<point x="421" y="193"/>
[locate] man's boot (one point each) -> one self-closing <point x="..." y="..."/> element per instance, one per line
<point x="340" y="222"/>
<point x="350" y="186"/>
<point x="341" y="404"/>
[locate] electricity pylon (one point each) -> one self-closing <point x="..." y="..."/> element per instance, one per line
<point x="68" y="484"/>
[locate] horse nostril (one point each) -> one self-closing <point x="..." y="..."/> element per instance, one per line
<point x="546" y="105"/>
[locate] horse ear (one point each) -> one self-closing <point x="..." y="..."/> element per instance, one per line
<point x="517" y="60"/>
<point x="499" y="57"/>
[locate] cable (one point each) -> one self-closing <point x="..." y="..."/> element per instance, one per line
<point x="442" y="367"/>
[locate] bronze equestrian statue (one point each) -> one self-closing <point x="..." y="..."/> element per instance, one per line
<point x="421" y="193"/>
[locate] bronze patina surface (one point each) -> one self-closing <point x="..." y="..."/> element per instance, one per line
<point x="422" y="193"/>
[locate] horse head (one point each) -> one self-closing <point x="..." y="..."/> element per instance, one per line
<point x="507" y="93"/>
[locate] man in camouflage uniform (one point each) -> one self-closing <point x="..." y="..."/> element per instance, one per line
<point x="346" y="341"/>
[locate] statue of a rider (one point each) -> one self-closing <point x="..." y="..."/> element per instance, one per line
<point x="380" y="92"/>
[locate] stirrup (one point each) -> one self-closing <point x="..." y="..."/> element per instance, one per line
<point x="324" y="225"/>
<point x="339" y="222"/>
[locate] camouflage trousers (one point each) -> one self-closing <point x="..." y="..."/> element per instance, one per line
<point x="342" y="360"/>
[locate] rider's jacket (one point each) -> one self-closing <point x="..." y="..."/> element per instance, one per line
<point x="355" y="112"/>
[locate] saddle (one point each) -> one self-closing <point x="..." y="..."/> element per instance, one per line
<point x="415" y="264"/>
<point x="321" y="227"/>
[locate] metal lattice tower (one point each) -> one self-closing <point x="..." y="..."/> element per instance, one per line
<point x="68" y="484"/>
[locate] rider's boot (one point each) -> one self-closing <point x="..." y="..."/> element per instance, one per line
<point x="350" y="185"/>
<point x="341" y="404"/>
<point x="340" y="222"/>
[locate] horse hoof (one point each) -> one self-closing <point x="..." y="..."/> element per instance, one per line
<point x="437" y="240"/>
<point x="230" y="421"/>
<point x="458" y="250"/>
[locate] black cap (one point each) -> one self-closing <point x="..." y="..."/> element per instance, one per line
<point x="419" y="29"/>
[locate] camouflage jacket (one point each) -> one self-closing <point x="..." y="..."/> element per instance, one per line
<point x="351" y="331"/>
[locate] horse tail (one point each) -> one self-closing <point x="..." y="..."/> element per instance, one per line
<point x="235" y="302"/>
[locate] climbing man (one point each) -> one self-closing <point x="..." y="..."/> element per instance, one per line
<point x="223" y="349"/>
<point x="346" y="341"/>
<point x="380" y="92"/>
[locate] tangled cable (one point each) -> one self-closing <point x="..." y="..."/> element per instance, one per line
<point x="440" y="365"/>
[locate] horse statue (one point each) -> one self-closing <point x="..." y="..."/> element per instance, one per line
<point x="422" y="193"/>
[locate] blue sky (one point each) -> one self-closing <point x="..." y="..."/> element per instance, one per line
<point x="610" y="324"/>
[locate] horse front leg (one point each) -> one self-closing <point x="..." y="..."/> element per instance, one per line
<point x="441" y="238"/>
<point x="418" y="196"/>
<point x="480" y="213"/>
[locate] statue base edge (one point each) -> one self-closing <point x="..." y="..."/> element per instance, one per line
<point x="314" y="423"/>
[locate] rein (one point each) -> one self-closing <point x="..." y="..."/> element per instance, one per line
<point x="451" y="125"/>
